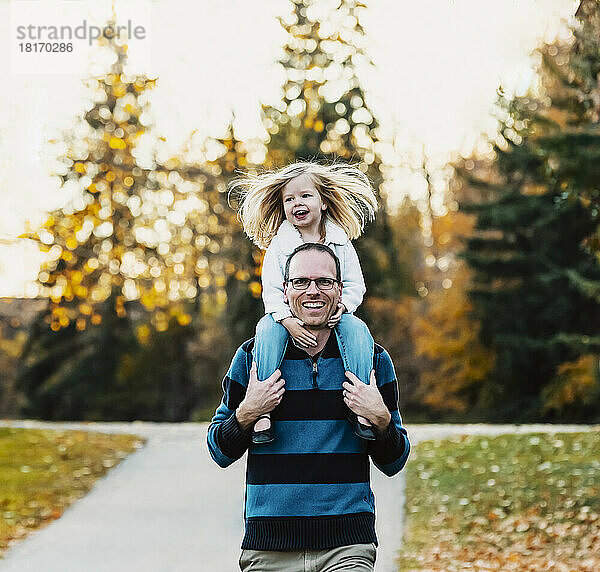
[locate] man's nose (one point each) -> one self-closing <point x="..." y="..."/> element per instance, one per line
<point x="312" y="288"/>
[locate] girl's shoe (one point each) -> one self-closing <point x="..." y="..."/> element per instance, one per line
<point x="365" y="432"/>
<point x="265" y="435"/>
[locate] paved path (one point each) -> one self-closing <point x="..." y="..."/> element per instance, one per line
<point x="168" y="508"/>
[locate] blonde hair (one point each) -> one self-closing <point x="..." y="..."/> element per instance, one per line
<point x="344" y="188"/>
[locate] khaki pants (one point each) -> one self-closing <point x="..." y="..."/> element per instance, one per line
<point x="356" y="557"/>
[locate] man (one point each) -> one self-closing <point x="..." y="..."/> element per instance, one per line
<point x="309" y="504"/>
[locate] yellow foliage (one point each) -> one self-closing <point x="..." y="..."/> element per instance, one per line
<point x="255" y="289"/>
<point x="148" y="299"/>
<point x="221" y="297"/>
<point x="558" y="115"/>
<point x="116" y="143"/>
<point x="57" y="312"/>
<point x="132" y="139"/>
<point x="91" y="272"/>
<point x="119" y="89"/>
<point x="184" y="319"/>
<point x="448" y="337"/>
<point x="80" y="291"/>
<point x="443" y="332"/>
<point x="85" y="309"/>
<point x="575" y="382"/>
<point x="162" y="322"/>
<point x="14" y="347"/>
<point x="531" y="189"/>
<point x="143" y="333"/>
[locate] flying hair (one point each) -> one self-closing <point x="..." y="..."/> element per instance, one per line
<point x="344" y="188"/>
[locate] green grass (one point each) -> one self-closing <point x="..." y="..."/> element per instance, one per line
<point x="43" y="471"/>
<point x="503" y="503"/>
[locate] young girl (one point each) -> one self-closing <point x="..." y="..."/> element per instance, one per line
<point x="281" y="209"/>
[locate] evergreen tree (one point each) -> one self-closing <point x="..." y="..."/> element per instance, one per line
<point x="522" y="248"/>
<point x="571" y="79"/>
<point x="536" y="276"/>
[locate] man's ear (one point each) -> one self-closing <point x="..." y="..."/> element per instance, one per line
<point x="285" y="298"/>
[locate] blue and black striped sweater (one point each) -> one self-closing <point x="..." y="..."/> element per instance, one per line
<point x="310" y="488"/>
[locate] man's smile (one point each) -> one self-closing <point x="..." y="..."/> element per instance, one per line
<point x="315" y="304"/>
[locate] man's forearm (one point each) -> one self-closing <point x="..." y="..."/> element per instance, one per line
<point x="245" y="418"/>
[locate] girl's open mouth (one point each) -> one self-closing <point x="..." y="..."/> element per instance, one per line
<point x="301" y="213"/>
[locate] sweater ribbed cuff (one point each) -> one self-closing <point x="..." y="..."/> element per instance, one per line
<point x="388" y="445"/>
<point x="233" y="440"/>
<point x="389" y="434"/>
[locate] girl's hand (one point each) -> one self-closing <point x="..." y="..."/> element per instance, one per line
<point x="332" y="322"/>
<point x="297" y="330"/>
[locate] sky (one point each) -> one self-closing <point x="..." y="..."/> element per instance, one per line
<point x="438" y="64"/>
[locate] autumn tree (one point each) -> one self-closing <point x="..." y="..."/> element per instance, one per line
<point x="443" y="328"/>
<point x="138" y="245"/>
<point x="243" y="307"/>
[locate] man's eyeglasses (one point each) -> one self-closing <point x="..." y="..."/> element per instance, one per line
<point x="304" y="283"/>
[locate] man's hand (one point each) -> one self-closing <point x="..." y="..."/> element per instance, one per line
<point x="297" y="330"/>
<point x="261" y="397"/>
<point x="333" y="320"/>
<point x="366" y="400"/>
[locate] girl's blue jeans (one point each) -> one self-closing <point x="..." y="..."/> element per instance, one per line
<point x="354" y="340"/>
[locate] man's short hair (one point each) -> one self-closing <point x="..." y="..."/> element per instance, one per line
<point x="319" y="248"/>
